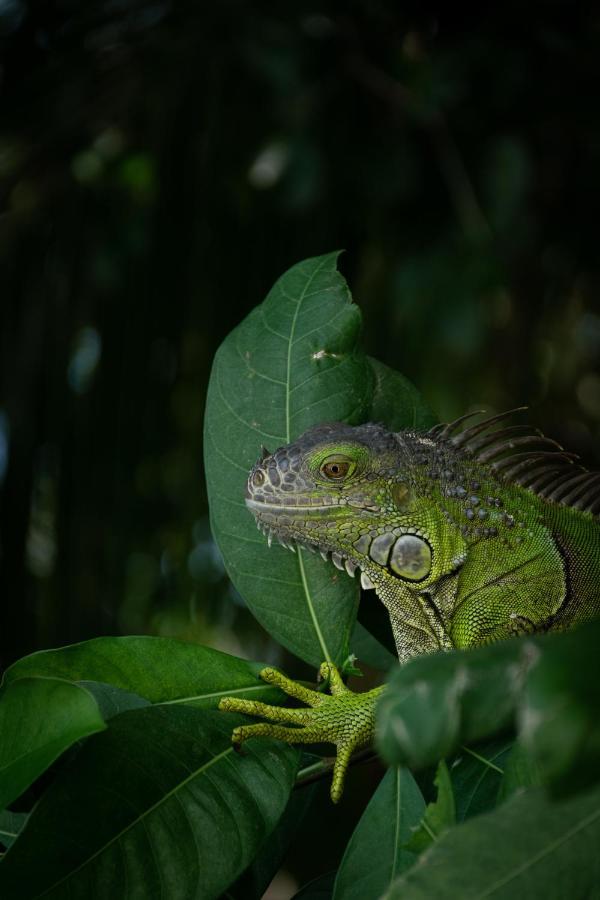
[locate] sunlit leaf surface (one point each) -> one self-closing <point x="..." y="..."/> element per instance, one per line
<point x="161" y="670"/>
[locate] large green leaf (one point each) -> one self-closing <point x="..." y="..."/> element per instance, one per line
<point x="39" y="719"/>
<point x="375" y="854"/>
<point x="558" y="718"/>
<point x="293" y="362"/>
<point x="161" y="670"/>
<point x="435" y="703"/>
<point x="529" y="847"/>
<point x="545" y="687"/>
<point x="157" y="805"/>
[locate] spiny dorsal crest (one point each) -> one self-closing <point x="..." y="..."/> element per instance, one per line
<point x="520" y="454"/>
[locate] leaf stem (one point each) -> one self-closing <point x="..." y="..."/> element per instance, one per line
<point x="483" y="760"/>
<point x="319" y="770"/>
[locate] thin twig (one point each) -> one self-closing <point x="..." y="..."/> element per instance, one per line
<point x="319" y="770"/>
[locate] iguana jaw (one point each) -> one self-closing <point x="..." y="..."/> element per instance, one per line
<point x="267" y="514"/>
<point x="310" y="525"/>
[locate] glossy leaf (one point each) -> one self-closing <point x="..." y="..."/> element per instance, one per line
<point x="157" y="805"/>
<point x="439" y="815"/>
<point x="376" y="854"/>
<point x="160" y="670"/>
<point x="293" y="362"/>
<point x="529" y="847"/>
<point x="39" y="719"/>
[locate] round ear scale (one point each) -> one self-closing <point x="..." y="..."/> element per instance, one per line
<point x="411" y="558"/>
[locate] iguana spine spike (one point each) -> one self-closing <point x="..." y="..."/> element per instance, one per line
<point x="592" y="495"/>
<point x="469" y="433"/>
<point x="477" y="444"/>
<point x="528" y="441"/>
<point x="447" y="429"/>
<point x="569" y="489"/>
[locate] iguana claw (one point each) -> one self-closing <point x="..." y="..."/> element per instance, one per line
<point x="341" y="717"/>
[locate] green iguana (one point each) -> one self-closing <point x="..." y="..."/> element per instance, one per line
<point x="467" y="536"/>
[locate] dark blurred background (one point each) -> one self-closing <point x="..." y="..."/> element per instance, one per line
<point x="162" y="163"/>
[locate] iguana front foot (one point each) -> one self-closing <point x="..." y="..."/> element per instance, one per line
<point x="342" y="718"/>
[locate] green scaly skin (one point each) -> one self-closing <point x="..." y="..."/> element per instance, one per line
<point x="460" y="554"/>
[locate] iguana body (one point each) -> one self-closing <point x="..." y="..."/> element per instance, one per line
<point x="466" y="536"/>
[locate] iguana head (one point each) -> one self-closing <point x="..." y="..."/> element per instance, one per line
<point x="345" y="491"/>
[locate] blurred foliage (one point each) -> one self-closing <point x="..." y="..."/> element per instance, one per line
<point x="161" y="164"/>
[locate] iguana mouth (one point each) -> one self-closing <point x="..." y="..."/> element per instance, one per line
<point x="287" y="505"/>
<point x="340" y="560"/>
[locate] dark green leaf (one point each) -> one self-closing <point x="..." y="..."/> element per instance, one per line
<point x="477" y="775"/>
<point x="161" y="670"/>
<point x="436" y="703"/>
<point x="558" y="718"/>
<point x="112" y="700"/>
<point x="293" y="362"/>
<point x="375" y="854"/>
<point x="39" y="719"/>
<point x="157" y="805"/>
<point x="11" y="824"/>
<point x="439" y="815"/>
<point x="529" y="847"/>
<point x="257" y="877"/>
<point x="547" y="686"/>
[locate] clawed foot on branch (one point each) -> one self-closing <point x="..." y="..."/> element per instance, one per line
<point x="341" y="717"/>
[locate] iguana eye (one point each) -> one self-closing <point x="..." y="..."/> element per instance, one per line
<point x="335" y="468"/>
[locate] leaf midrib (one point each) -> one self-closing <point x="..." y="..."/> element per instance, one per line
<point x="307" y="594"/>
<point x="537" y="857"/>
<point x="140" y="818"/>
